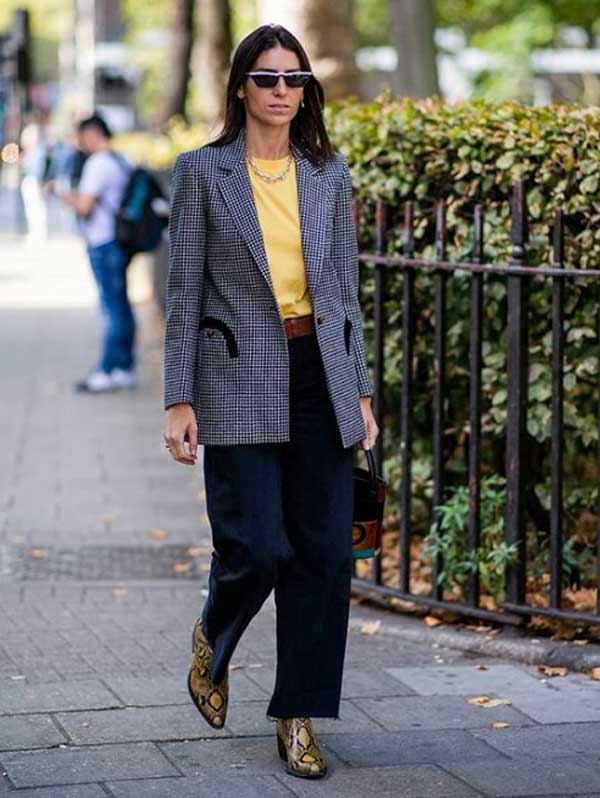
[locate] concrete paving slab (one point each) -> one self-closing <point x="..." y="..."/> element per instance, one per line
<point x="514" y="778"/>
<point x="251" y="755"/>
<point x="465" y="679"/>
<point x="408" y="747"/>
<point x="361" y="683"/>
<point x="225" y="786"/>
<point x="408" y="781"/>
<point x="437" y="712"/>
<point x="543" y="742"/>
<point x="136" y="724"/>
<point x="28" y="731"/>
<point x="86" y="764"/>
<point x="569" y="699"/>
<point x="18" y="698"/>
<point x="63" y="791"/>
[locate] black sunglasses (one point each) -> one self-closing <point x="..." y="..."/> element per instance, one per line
<point x="268" y="80"/>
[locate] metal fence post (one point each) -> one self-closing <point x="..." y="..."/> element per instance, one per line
<point x="439" y="383"/>
<point x="379" y="322"/>
<point x="406" y="398"/>
<point x="475" y="367"/>
<point x="517" y="388"/>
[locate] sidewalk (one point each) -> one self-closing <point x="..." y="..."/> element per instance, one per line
<point x="104" y="554"/>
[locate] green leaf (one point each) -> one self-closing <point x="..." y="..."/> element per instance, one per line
<point x="505" y="161"/>
<point x="589" y="185"/>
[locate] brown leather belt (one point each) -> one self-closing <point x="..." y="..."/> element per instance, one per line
<point x="299" y="325"/>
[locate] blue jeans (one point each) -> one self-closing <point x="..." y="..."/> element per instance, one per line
<point x="109" y="265"/>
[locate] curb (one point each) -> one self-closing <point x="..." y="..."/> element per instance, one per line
<point x="528" y="650"/>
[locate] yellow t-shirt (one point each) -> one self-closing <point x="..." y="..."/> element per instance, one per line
<point x="279" y="218"/>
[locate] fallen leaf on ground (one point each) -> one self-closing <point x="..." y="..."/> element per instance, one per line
<point x="580" y="642"/>
<point x="482" y="667"/>
<point x="486" y="701"/>
<point x="120" y="591"/>
<point x="450" y="616"/>
<point x="595" y="674"/>
<point x="239" y="665"/>
<point x="182" y="567"/>
<point x="402" y="603"/>
<point x="157" y="534"/>
<point x="431" y="620"/>
<point x="370" y="628"/>
<point x="583" y="599"/>
<point x="563" y="631"/>
<point x="549" y="670"/>
<point x="38" y="554"/>
<point x="499" y="725"/>
<point x="198" y="551"/>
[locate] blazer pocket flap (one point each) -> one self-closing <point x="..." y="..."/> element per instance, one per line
<point x="211" y="322"/>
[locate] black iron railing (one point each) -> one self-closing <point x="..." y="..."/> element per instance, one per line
<point x="518" y="274"/>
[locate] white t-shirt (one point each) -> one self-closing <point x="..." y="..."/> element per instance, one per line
<point x="104" y="176"/>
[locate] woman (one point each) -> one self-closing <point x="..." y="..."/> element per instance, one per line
<point x="265" y="366"/>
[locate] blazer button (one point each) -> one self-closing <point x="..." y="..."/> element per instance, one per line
<point x="210" y="333"/>
<point x="320" y="319"/>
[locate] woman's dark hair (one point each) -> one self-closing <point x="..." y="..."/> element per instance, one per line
<point x="97" y="123"/>
<point x="307" y="128"/>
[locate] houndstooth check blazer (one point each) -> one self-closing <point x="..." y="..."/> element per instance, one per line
<point x="226" y="352"/>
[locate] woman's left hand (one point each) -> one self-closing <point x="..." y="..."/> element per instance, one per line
<point x="371" y="425"/>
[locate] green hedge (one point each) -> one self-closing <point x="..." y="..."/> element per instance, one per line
<point x="159" y="150"/>
<point x="470" y="153"/>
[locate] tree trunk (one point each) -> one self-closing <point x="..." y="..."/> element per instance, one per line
<point x="177" y="75"/>
<point x="413" y="35"/>
<point x="326" y="31"/>
<point x="212" y="59"/>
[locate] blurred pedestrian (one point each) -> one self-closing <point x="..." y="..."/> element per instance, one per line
<point x="96" y="200"/>
<point x="35" y="160"/>
<point x="64" y="173"/>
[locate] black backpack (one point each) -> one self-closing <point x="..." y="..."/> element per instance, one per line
<point x="139" y="223"/>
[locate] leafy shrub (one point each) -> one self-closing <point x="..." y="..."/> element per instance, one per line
<point x="471" y="153"/>
<point x="448" y="538"/>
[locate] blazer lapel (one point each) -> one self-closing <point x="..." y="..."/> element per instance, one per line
<point x="237" y="193"/>
<point x="312" y="203"/>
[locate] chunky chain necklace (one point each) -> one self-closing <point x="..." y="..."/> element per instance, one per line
<point x="267" y="177"/>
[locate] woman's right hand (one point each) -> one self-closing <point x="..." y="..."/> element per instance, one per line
<point x="181" y="427"/>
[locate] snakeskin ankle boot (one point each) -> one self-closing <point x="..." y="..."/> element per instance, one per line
<point x="210" y="698"/>
<point x="299" y="749"/>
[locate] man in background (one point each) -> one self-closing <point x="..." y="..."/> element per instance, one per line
<point x="96" y="201"/>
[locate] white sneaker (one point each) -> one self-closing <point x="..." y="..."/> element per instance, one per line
<point x="96" y="382"/>
<point x="123" y="378"/>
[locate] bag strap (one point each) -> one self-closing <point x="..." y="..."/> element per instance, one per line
<point x="126" y="169"/>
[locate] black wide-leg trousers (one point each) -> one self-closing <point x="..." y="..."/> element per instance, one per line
<point x="281" y="518"/>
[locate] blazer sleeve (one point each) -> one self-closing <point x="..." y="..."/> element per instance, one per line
<point x="345" y="256"/>
<point x="187" y="254"/>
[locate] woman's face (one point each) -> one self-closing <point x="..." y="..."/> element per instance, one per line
<point x="279" y="105"/>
